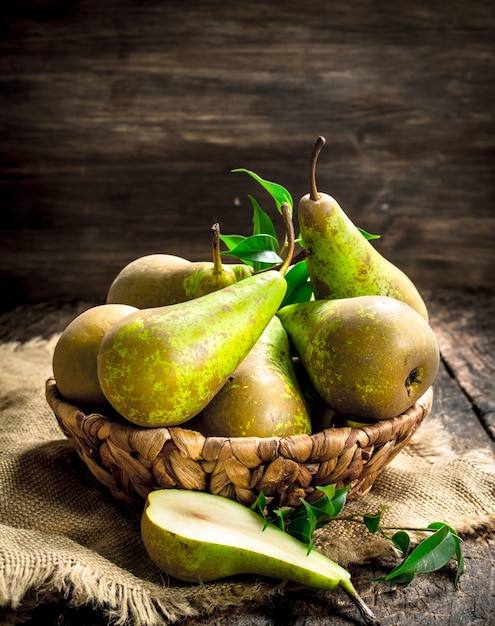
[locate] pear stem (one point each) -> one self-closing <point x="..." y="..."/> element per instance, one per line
<point x="215" y="248"/>
<point x="367" y="614"/>
<point x="289" y="228"/>
<point x="313" y="190"/>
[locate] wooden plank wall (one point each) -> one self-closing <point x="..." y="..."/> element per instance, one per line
<point x="121" y="120"/>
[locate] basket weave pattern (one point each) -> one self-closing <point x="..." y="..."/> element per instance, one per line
<point x="131" y="461"/>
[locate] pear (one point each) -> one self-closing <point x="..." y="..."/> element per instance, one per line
<point x="75" y="353"/>
<point x="322" y="416"/>
<point x="161" y="279"/>
<point x="369" y="357"/>
<point x="341" y="262"/>
<point x="262" y="397"/>
<point x="241" y="270"/>
<point x="217" y="276"/>
<point x="163" y="365"/>
<point x="152" y="280"/>
<point x="199" y="537"/>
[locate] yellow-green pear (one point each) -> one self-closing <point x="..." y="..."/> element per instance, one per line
<point x="262" y="397"/>
<point x="341" y="262"/>
<point x="163" y="365"/>
<point x="160" y="279"/>
<point x="75" y="353"/>
<point x="241" y="270"/>
<point x="218" y="275"/>
<point x="151" y="280"/>
<point x="199" y="537"/>
<point x="369" y="357"/>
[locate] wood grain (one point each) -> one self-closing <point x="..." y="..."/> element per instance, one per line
<point x="120" y="123"/>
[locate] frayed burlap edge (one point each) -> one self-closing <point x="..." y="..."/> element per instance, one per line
<point x="126" y="601"/>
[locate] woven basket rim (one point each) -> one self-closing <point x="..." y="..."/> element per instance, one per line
<point x="132" y="460"/>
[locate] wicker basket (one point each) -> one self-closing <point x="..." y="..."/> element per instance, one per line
<point x="132" y="461"/>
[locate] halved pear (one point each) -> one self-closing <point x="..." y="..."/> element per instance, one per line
<point x="200" y="537"/>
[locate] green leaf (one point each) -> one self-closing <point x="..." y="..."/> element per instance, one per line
<point x="368" y="235"/>
<point x="277" y="192"/>
<point x="262" y="223"/>
<point x="458" y="549"/>
<point x="339" y="499"/>
<point x="302" y="528"/>
<point x="258" y="507"/>
<point x="328" y="491"/>
<point x="302" y="522"/>
<point x="400" y="579"/>
<point x="231" y="241"/>
<point x="372" y="520"/>
<point x="259" y="248"/>
<point x="430" y="555"/>
<point x="403" y="541"/>
<point x="299" y="289"/>
<point x="322" y="508"/>
<point x="279" y="520"/>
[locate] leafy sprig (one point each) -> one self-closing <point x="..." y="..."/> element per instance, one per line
<point x="431" y="554"/>
<point x="263" y="249"/>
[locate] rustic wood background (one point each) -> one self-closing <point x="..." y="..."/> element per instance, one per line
<point x="121" y="120"/>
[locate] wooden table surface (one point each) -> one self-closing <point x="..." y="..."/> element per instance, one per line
<point x="465" y="404"/>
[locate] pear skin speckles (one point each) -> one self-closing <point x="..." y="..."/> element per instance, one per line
<point x="165" y="364"/>
<point x="342" y="263"/>
<point x="368" y="357"/>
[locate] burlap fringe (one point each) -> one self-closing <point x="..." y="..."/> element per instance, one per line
<point x="80" y="587"/>
<point x="25" y="581"/>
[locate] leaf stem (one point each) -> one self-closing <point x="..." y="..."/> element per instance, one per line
<point x="353" y="518"/>
<point x="289" y="228"/>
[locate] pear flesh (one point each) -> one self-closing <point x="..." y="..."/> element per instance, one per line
<point x="163" y="365"/>
<point x="342" y="263"/>
<point x="262" y="397"/>
<point x="369" y="357"/>
<point x="199" y="537"/>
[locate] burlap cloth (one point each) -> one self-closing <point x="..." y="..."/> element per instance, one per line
<point x="62" y="534"/>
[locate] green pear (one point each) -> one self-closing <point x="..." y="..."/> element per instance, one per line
<point x="342" y="263"/>
<point x="152" y="280"/>
<point x="163" y="365"/>
<point x="262" y="397"/>
<point x="369" y="357"/>
<point x="75" y="354"/>
<point x="199" y="537"/>
<point x="218" y="275"/>
<point x="160" y="279"/>
<point x="241" y="270"/>
<point x="322" y="416"/>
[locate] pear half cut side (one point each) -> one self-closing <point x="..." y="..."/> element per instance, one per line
<point x="200" y="537"/>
